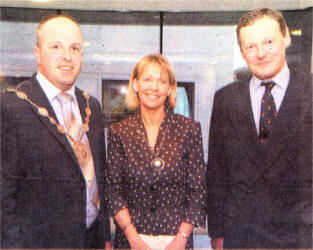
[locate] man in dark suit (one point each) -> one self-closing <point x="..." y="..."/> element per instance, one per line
<point x="260" y="148"/>
<point x="53" y="157"/>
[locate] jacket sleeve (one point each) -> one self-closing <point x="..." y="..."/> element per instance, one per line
<point x="107" y="226"/>
<point x="217" y="169"/>
<point x="11" y="236"/>
<point x="105" y="215"/>
<point x="196" y="189"/>
<point x="114" y="176"/>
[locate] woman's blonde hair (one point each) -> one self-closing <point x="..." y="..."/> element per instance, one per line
<point x="132" y="100"/>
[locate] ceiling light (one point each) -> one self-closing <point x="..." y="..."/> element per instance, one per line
<point x="86" y="44"/>
<point x="123" y="90"/>
<point x="297" y="32"/>
<point x="96" y="56"/>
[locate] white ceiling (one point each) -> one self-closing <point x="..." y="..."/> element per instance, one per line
<point x="159" y="5"/>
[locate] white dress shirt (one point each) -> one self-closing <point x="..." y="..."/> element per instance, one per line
<point x="52" y="93"/>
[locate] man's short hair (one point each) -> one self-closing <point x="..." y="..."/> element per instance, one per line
<point x="250" y="17"/>
<point x="50" y="17"/>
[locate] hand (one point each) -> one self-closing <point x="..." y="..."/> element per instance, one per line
<point x="217" y="243"/>
<point x="177" y="243"/>
<point x="108" y="245"/>
<point x="123" y="219"/>
<point x="138" y="243"/>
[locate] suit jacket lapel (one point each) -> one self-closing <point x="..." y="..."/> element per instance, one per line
<point x="91" y="134"/>
<point x="286" y="124"/>
<point x="283" y="129"/>
<point x="82" y="104"/>
<point x="241" y="115"/>
<point x="290" y="110"/>
<point x="36" y="95"/>
<point x="240" y="112"/>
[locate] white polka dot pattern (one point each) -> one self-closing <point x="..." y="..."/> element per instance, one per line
<point x="158" y="201"/>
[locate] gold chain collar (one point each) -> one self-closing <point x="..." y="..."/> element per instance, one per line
<point x="44" y="112"/>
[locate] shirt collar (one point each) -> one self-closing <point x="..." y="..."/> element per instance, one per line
<point x="50" y="90"/>
<point x="281" y="79"/>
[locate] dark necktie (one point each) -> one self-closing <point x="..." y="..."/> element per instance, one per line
<point x="268" y="111"/>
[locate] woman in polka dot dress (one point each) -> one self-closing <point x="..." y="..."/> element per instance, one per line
<point x="155" y="178"/>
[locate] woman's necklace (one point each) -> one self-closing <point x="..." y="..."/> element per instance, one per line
<point x="157" y="162"/>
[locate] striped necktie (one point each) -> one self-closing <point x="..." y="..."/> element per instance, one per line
<point x="81" y="148"/>
<point x="79" y="142"/>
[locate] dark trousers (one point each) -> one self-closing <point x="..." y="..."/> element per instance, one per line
<point x="94" y="236"/>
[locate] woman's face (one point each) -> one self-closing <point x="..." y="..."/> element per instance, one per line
<point x="152" y="87"/>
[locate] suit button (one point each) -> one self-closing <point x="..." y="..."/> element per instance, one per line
<point x="152" y="209"/>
